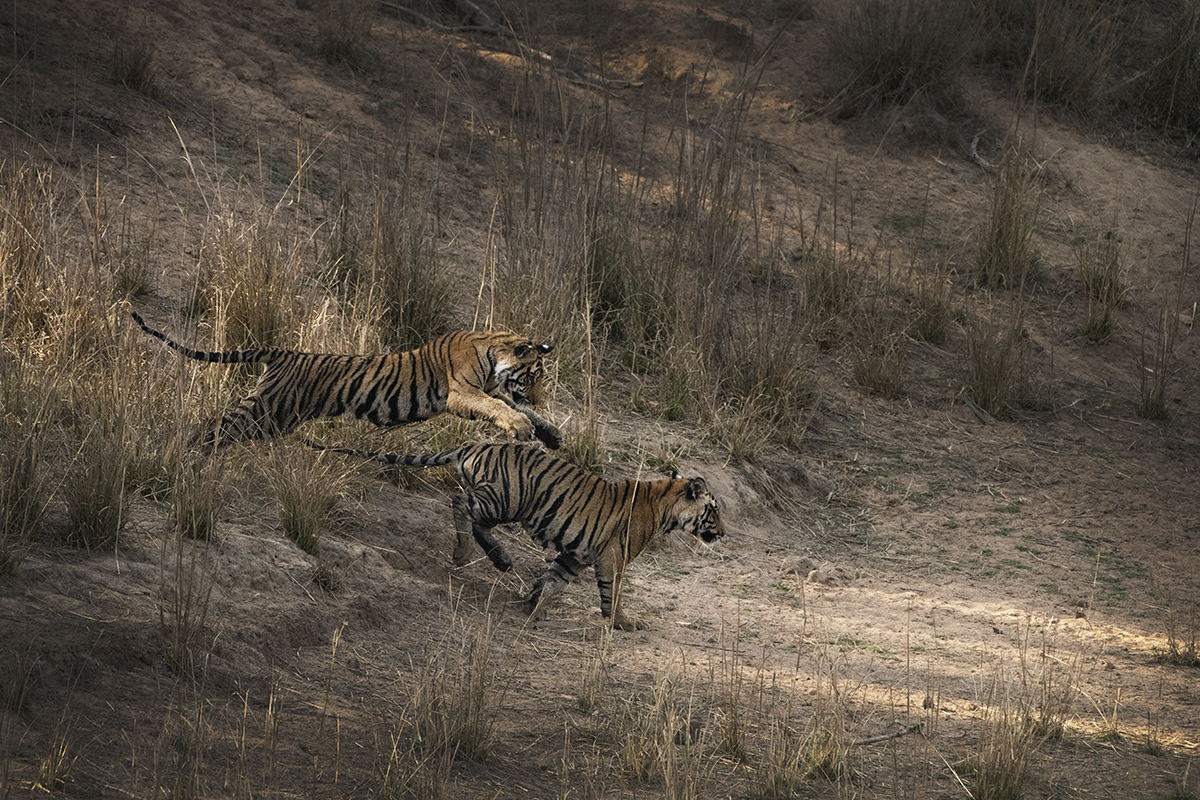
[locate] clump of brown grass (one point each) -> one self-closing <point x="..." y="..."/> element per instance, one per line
<point x="998" y="374"/>
<point x="1006" y="255"/>
<point x="132" y="63"/>
<point x="308" y="487"/>
<point x="932" y="306"/>
<point x="185" y="594"/>
<point x="342" y="28"/>
<point x="57" y="762"/>
<point x="877" y="358"/>
<point x="1102" y="274"/>
<point x="25" y="484"/>
<point x="1157" y="365"/>
<point x="1171" y="87"/>
<point x="384" y="265"/>
<point x="895" y="50"/>
<point x="452" y="710"/>
<point x="1060" y="52"/>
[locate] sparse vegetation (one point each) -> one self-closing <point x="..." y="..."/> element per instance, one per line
<point x="1102" y="273"/>
<point x="894" y="52"/>
<point x="713" y="287"/>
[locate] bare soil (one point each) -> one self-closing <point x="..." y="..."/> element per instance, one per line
<point x="911" y="556"/>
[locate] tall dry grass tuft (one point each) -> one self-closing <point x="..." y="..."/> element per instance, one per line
<point x="1157" y="365"/>
<point x="309" y="488"/>
<point x="25" y="483"/>
<point x="56" y="764"/>
<point x="819" y="749"/>
<point x="932" y="306"/>
<point x="1170" y="89"/>
<point x="1182" y="625"/>
<point x="252" y="282"/>
<point x="878" y="357"/>
<point x="131" y="63"/>
<point x="383" y="266"/>
<point x="998" y="376"/>
<point x="892" y="51"/>
<point x="1103" y="275"/>
<point x="451" y="713"/>
<point x="185" y="594"/>
<point x="661" y="738"/>
<point x="342" y="28"/>
<point x="1006" y="255"/>
<point x="30" y="245"/>
<point x="999" y="769"/>
<point x="1058" y="52"/>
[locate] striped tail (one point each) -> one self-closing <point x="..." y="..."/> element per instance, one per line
<point x="446" y="459"/>
<point x="213" y="356"/>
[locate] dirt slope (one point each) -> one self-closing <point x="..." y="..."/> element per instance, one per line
<point x="927" y="552"/>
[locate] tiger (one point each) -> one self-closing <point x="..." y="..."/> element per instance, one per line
<point x="491" y="375"/>
<point x="588" y="520"/>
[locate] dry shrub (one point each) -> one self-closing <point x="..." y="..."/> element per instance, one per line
<point x="29" y="248"/>
<point x="1170" y="89"/>
<point x="1157" y="364"/>
<point x="1183" y="634"/>
<point x="185" y="593"/>
<point x="384" y="266"/>
<point x="998" y="374"/>
<point x="1006" y="255"/>
<point x="895" y="50"/>
<point x="1060" y="52"/>
<point x="661" y="739"/>
<point x="1105" y="285"/>
<point x="877" y="358"/>
<point x="25" y="484"/>
<point x="932" y="307"/>
<point x="132" y="63"/>
<point x="308" y="487"/>
<point x="253" y="283"/>
<point x="819" y="749"/>
<point x="342" y="28"/>
<point x="452" y="710"/>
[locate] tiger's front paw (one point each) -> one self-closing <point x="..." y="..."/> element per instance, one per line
<point x="624" y="623"/>
<point x="548" y="435"/>
<point x="521" y="429"/>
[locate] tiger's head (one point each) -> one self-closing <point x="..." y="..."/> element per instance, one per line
<point x="519" y="370"/>
<point x="697" y="511"/>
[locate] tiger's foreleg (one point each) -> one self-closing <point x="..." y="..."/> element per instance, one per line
<point x="468" y="530"/>
<point x="546" y="433"/>
<point x="552" y="581"/>
<point x="610" y="570"/>
<point x="515" y="423"/>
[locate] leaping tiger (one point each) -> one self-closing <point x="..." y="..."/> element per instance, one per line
<point x="590" y="521"/>
<point x="475" y="374"/>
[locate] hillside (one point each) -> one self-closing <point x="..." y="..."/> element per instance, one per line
<point x="749" y="271"/>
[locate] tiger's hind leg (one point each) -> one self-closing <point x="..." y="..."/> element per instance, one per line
<point x="467" y="529"/>
<point x="553" y="580"/>
<point x="250" y="420"/>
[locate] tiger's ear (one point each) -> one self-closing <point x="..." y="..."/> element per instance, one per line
<point x="544" y="348"/>
<point x="696" y="488"/>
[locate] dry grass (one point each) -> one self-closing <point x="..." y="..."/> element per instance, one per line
<point x="1059" y="53"/>
<point x="342" y="28"/>
<point x="1171" y="87"/>
<point x="1102" y="273"/>
<point x="1157" y="363"/>
<point x="132" y="63"/>
<point x="308" y="487"/>
<point x="893" y="52"/>
<point x="1006" y="256"/>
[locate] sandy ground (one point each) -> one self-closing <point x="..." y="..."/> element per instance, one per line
<point x="916" y="562"/>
